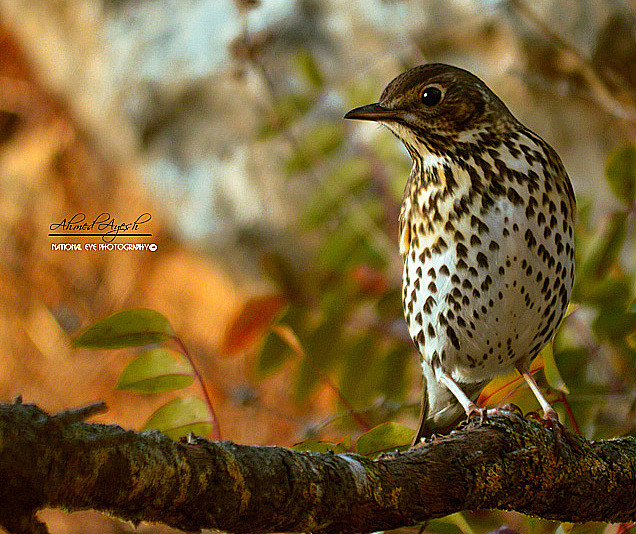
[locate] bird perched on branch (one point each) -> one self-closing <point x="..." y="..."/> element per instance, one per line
<point x="486" y="234"/>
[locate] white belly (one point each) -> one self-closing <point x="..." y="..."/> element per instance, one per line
<point x="494" y="295"/>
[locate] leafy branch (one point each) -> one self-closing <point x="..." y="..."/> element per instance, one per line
<point x="156" y="369"/>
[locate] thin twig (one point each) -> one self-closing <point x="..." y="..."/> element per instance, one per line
<point x="563" y="398"/>
<point x="80" y="414"/>
<point x="216" y="428"/>
<point x="373" y="407"/>
<point x="599" y="88"/>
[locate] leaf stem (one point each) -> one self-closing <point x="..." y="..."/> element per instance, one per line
<point x="289" y="337"/>
<point x="564" y="399"/>
<point x="216" y="428"/>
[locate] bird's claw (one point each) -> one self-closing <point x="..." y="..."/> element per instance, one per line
<point x="512" y="412"/>
<point x="475" y="411"/>
<point x="550" y="420"/>
<point x="512" y="409"/>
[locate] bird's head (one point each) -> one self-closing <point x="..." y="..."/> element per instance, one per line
<point x="433" y="107"/>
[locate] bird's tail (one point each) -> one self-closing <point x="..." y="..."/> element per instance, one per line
<point x="441" y="412"/>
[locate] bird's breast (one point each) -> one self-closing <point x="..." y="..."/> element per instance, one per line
<point x="488" y="264"/>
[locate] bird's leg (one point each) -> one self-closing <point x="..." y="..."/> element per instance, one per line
<point x="470" y="407"/>
<point x="550" y="417"/>
<point x="549" y="414"/>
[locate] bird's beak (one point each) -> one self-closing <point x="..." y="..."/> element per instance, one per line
<point x="372" y="112"/>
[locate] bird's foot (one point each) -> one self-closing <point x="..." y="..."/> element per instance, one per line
<point x="484" y="413"/>
<point x="475" y="411"/>
<point x="510" y="411"/>
<point x="549" y="420"/>
<point x="511" y="408"/>
<point x="472" y="411"/>
<point x="561" y="434"/>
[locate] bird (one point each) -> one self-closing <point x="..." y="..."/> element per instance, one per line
<point x="486" y="233"/>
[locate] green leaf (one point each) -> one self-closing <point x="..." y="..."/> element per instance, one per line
<point x="323" y="139"/>
<point x="632" y="308"/>
<point x="155" y="371"/>
<point x="348" y="179"/>
<point x="286" y="275"/>
<point x="322" y="349"/>
<point x="346" y="442"/>
<point x="394" y="377"/>
<point x="273" y="354"/>
<point x="609" y="294"/>
<point x="460" y="522"/>
<point x="564" y="528"/>
<point x="289" y="107"/>
<point x="316" y="144"/>
<point x="572" y="307"/>
<point x="309" y="69"/>
<point x="615" y="326"/>
<point x="315" y="445"/>
<point x="385" y="437"/>
<point x="607" y="249"/>
<point x="358" y="365"/>
<point x="570" y="365"/>
<point x="129" y="328"/>
<point x="274" y="351"/>
<point x="181" y="416"/>
<point x="621" y="173"/>
<point x="551" y="370"/>
<point x="443" y="525"/>
<point x="341" y="248"/>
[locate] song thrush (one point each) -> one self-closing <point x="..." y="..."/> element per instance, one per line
<point x="486" y="234"/>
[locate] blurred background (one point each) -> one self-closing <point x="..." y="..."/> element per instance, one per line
<point x="275" y="221"/>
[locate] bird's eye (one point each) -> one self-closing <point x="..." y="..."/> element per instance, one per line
<point x="431" y="96"/>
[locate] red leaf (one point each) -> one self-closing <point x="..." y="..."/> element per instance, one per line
<point x="251" y="323"/>
<point x="369" y="280"/>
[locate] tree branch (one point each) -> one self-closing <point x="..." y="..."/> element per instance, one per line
<point x="506" y="463"/>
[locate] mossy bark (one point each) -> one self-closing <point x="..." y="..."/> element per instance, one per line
<point x="506" y="463"/>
